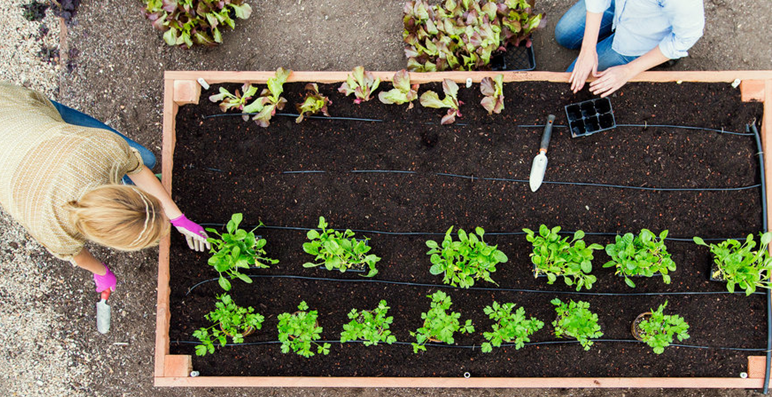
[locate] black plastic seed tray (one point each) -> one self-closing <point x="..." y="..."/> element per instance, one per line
<point x="514" y="58"/>
<point x="588" y="117"/>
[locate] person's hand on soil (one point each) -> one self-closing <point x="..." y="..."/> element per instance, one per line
<point x="193" y="232"/>
<point x="105" y="281"/>
<point x="586" y="64"/>
<point x="611" y="80"/>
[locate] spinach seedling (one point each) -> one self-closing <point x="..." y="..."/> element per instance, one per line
<point x="360" y="83"/>
<point x="555" y="256"/>
<point x="402" y="92"/>
<point x="430" y="99"/>
<point x="370" y="326"/>
<point x="465" y="260"/>
<point x="299" y="330"/>
<point x="236" y="100"/>
<point x="313" y="103"/>
<point x="659" y="330"/>
<point x="228" y="319"/>
<point x="339" y="250"/>
<point x="575" y="320"/>
<point x="270" y="99"/>
<point x="509" y="327"/>
<point x="439" y="325"/>
<point x="493" y="90"/>
<point x="643" y="255"/>
<point x="237" y="249"/>
<point x="739" y="264"/>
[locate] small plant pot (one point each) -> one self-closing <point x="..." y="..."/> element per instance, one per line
<point x="588" y="117"/>
<point x="514" y="58"/>
<point x="635" y="329"/>
<point x="249" y="331"/>
<point x="537" y="274"/>
<point x="715" y="274"/>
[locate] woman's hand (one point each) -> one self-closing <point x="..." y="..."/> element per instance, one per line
<point x="611" y="80"/>
<point x="586" y="63"/>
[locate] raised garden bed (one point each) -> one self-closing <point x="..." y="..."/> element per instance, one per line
<point x="224" y="165"/>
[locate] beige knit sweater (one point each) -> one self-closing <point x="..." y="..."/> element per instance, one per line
<point x="46" y="163"/>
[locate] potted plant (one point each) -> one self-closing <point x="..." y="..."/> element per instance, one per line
<point x="228" y="320"/>
<point x="465" y="260"/>
<point x="740" y="264"/>
<point x="339" y="250"/>
<point x="299" y="330"/>
<point x="439" y="325"/>
<point x="360" y="83"/>
<point x="575" y="320"/>
<point x="370" y="326"/>
<point x="658" y="329"/>
<point x="644" y="255"/>
<point x="237" y="249"/>
<point x="555" y="256"/>
<point x="509" y="327"/>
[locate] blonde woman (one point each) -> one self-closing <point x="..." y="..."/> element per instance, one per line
<point x="68" y="178"/>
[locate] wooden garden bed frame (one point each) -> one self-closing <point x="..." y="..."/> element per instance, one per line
<point x="181" y="88"/>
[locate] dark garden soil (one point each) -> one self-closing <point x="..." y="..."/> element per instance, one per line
<point x="225" y="165"/>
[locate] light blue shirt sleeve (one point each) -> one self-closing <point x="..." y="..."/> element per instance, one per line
<point x="597" y="6"/>
<point x="687" y="17"/>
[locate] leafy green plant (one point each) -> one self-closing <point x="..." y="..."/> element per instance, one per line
<point x="234" y="100"/>
<point x="402" y="92"/>
<point x="643" y="255"/>
<point x="659" y="329"/>
<point x="575" y="320"/>
<point x="371" y="326"/>
<point x="463" y="34"/>
<point x="430" y="99"/>
<point x="465" y="260"/>
<point x="189" y="22"/>
<point x="509" y="327"/>
<point x="236" y="249"/>
<point x="555" y="256"/>
<point x="339" y="250"/>
<point x="360" y="83"/>
<point x="228" y="319"/>
<point x="493" y="90"/>
<point x="34" y="11"/>
<point x="299" y="330"/>
<point x="739" y="264"/>
<point x="439" y="325"/>
<point x="313" y="103"/>
<point x="270" y="99"/>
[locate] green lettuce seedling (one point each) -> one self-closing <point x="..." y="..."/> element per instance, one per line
<point x="555" y="256"/>
<point x="270" y="99"/>
<point x="313" y="103"/>
<point x="643" y="255"/>
<point x="439" y="325"/>
<point x="402" y="92"/>
<point x="236" y="101"/>
<point x="465" y="260"/>
<point x="299" y="330"/>
<point x="430" y="99"/>
<point x="228" y="319"/>
<point x="575" y="320"/>
<point x="189" y="22"/>
<point x="360" y="83"/>
<point x="370" y="326"/>
<point x="509" y="327"/>
<point x="493" y="90"/>
<point x="739" y="264"/>
<point x="339" y="250"/>
<point x="659" y="330"/>
<point x="236" y="249"/>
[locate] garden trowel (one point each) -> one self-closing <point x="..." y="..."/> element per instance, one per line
<point x="540" y="161"/>
<point x="103" y="312"/>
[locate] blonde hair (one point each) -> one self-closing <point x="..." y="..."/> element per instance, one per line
<point x="119" y="216"/>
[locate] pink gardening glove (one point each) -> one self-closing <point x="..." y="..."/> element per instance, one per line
<point x="105" y="282"/>
<point x="193" y="232"/>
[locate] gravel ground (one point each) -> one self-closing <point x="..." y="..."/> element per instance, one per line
<point x="46" y="317"/>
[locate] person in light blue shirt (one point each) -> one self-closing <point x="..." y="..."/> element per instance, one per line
<point x="618" y="39"/>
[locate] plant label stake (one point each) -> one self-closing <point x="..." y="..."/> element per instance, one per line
<point x="539" y="166"/>
<point x="103" y="312"/>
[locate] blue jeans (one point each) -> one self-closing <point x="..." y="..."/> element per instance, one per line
<point x="72" y="116"/>
<point x="569" y="33"/>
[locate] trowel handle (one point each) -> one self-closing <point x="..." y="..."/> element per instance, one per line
<point x="545" y="138"/>
<point x="105" y="294"/>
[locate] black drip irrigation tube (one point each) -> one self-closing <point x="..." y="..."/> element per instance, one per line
<point x="644" y="126"/>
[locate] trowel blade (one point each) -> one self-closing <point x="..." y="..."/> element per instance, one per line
<point x="103" y="316"/>
<point x="538" y="168"/>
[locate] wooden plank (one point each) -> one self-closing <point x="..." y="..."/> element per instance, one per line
<point x="216" y="77"/>
<point x="681" y="383"/>
<point x="177" y="365"/>
<point x="752" y="90"/>
<point x="757" y="366"/>
<point x="186" y="92"/>
<point x="766" y="131"/>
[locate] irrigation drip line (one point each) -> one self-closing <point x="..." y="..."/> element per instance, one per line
<point x="685" y="127"/>
<point x="487" y="289"/>
<point x="296" y="115"/>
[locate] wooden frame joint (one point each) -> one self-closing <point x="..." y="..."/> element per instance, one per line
<point x="186" y="92"/>
<point x="177" y="365"/>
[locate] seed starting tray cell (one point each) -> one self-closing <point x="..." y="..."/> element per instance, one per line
<point x="588" y="117"/>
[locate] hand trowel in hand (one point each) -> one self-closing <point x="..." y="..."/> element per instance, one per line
<point x="539" y="166"/>
<point x="103" y="312"/>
